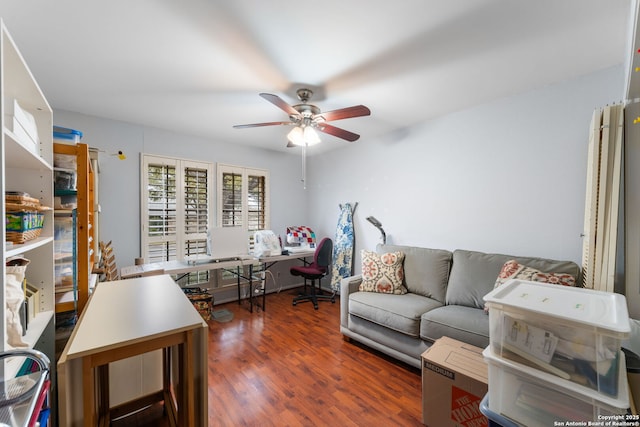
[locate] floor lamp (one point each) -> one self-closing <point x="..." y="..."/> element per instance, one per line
<point x="378" y="225"/>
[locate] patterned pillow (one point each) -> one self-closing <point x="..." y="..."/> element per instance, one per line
<point x="514" y="270"/>
<point x="383" y="273"/>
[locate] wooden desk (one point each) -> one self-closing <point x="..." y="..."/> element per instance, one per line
<point x="124" y="318"/>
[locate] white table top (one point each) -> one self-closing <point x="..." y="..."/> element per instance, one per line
<point x="124" y="312"/>
<point x="182" y="267"/>
<point x="292" y="255"/>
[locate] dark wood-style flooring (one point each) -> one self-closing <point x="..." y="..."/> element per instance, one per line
<point x="289" y="366"/>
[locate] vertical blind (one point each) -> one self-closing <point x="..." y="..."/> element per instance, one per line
<point x="602" y="200"/>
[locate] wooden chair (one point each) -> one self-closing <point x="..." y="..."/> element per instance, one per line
<point x="108" y="262"/>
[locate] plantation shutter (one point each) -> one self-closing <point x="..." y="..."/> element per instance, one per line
<point x="176" y="204"/>
<point x="242" y="202"/>
<point x="161" y="213"/>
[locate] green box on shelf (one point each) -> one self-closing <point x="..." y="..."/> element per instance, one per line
<point x="23" y="225"/>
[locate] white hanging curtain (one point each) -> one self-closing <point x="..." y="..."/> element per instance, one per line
<point x="602" y="201"/>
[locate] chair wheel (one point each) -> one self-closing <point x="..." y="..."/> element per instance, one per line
<point x="294" y="303"/>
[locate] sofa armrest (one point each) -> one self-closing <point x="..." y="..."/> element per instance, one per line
<point x="348" y="285"/>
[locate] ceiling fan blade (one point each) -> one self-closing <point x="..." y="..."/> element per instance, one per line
<point x="340" y="133"/>
<point x="255" y="125"/>
<point x="280" y="103"/>
<point x="346" y="113"/>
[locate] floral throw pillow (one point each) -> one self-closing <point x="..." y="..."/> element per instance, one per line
<point x="514" y="270"/>
<point x="383" y="273"/>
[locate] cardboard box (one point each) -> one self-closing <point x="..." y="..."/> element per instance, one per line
<point x="454" y="381"/>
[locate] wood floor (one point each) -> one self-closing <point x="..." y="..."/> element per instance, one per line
<point x="289" y="366"/>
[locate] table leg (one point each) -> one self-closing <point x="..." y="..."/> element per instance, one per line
<point x="238" y="279"/>
<point x="264" y="289"/>
<point x="104" y="416"/>
<point x="186" y="406"/>
<point x="251" y="290"/>
<point x="88" y="398"/>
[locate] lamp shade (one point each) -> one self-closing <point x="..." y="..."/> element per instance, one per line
<point x="311" y="136"/>
<point x="296" y="136"/>
<point x="303" y="136"/>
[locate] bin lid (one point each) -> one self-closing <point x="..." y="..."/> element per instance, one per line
<point x="598" y="309"/>
<point x="66" y="133"/>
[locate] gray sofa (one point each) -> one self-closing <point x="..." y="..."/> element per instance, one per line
<point x="444" y="298"/>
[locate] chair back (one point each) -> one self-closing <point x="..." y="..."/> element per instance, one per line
<point x="324" y="253"/>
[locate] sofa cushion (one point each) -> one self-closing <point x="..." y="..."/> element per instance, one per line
<point x="426" y="271"/>
<point x="473" y="274"/>
<point x="465" y="324"/>
<point x="398" y="312"/>
<point x="383" y="273"/>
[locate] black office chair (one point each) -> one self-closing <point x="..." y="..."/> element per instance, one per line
<point x="316" y="270"/>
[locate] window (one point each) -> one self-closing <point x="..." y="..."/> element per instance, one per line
<point x="243" y="198"/>
<point x="175" y="210"/>
<point x="243" y="201"/>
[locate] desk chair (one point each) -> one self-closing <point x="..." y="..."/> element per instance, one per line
<point x="316" y="270"/>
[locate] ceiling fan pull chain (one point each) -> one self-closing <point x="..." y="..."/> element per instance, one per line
<point x="304" y="166"/>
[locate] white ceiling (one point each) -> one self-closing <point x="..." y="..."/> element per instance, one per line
<point x="197" y="66"/>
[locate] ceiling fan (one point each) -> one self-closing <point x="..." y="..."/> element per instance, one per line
<point x="307" y="118"/>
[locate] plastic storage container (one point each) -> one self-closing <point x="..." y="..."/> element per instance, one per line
<point x="573" y="333"/>
<point x="66" y="135"/>
<point x="533" y="398"/>
<point x="495" y="420"/>
<point x="65" y="180"/>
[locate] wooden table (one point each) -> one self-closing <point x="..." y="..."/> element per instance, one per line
<point x="125" y="318"/>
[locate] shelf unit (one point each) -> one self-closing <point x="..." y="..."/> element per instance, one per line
<point x="84" y="255"/>
<point x="26" y="165"/>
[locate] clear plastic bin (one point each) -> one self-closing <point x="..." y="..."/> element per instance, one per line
<point x="535" y="399"/>
<point x="65" y="135"/>
<point x="572" y="333"/>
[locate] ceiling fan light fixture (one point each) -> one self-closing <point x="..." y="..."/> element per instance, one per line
<point x="302" y="136"/>
<point x="311" y="136"/>
<point x="296" y="136"/>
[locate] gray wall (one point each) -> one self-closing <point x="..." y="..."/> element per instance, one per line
<point x="506" y="177"/>
<point x="119" y="191"/>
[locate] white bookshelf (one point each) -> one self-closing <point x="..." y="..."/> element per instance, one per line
<point x="27" y="166"/>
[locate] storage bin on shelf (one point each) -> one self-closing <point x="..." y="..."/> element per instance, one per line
<point x="23" y="125"/>
<point x="574" y="334"/>
<point x="534" y="398"/>
<point x="65" y="135"/>
<point x="24" y="217"/>
<point x="64" y="179"/>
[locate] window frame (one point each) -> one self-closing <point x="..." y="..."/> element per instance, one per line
<point x="245" y="172"/>
<point x="180" y="237"/>
<point x="225" y="279"/>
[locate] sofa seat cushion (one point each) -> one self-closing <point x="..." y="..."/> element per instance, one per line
<point x="466" y="324"/>
<point x="398" y="312"/>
